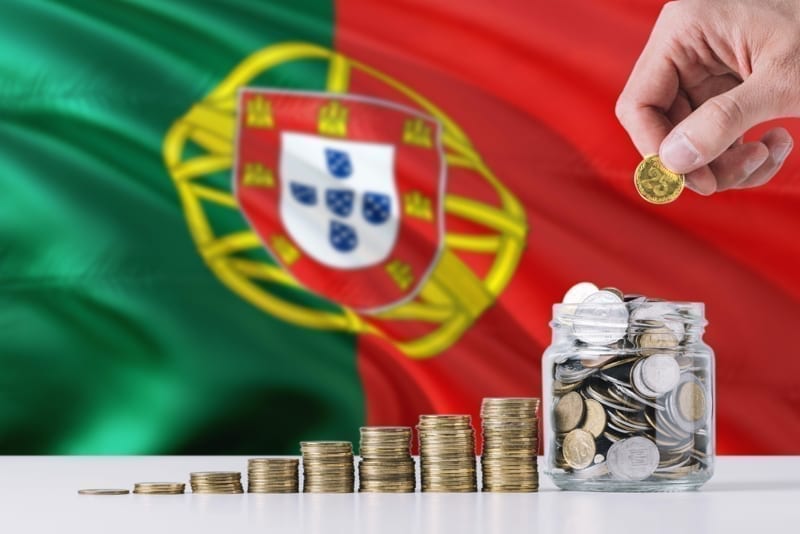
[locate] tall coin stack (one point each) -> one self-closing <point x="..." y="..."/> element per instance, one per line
<point x="447" y="453"/>
<point x="272" y="475"/>
<point x="386" y="464"/>
<point x="510" y="444"/>
<point x="216" y="482"/>
<point x="327" y="466"/>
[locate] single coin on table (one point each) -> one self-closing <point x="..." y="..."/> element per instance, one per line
<point x="103" y="492"/>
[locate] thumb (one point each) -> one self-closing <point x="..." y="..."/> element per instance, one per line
<point x="713" y="127"/>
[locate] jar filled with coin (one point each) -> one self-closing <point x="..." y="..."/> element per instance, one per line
<point x="628" y="390"/>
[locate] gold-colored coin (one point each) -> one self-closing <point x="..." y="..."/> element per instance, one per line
<point x="657" y="184"/>
<point x="579" y="449"/>
<point x="103" y="492"/>
<point x="327" y="466"/>
<point x="595" y="420"/>
<point x="216" y="482"/>
<point x="447" y="453"/>
<point x="272" y="475"/>
<point x="159" y="488"/>
<point x="652" y="340"/>
<point x="692" y="401"/>
<point x="568" y="412"/>
<point x="510" y="444"/>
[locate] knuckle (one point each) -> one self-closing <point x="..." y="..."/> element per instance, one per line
<point x="724" y="112"/>
<point x="784" y="92"/>
<point x="675" y="9"/>
<point x="622" y="109"/>
<point x="669" y="8"/>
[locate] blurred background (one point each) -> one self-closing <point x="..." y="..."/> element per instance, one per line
<point x="140" y="314"/>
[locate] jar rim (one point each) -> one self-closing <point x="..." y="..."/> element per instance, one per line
<point x="694" y="311"/>
<point x="699" y="306"/>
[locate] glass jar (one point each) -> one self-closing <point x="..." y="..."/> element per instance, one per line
<point x="628" y="392"/>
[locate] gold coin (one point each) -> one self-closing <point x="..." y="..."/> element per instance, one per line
<point x="595" y="421"/>
<point x="595" y="361"/>
<point x="103" y="492"/>
<point x="657" y="184"/>
<point x="579" y="449"/>
<point x="568" y="412"/>
<point x="651" y="341"/>
<point x="692" y="401"/>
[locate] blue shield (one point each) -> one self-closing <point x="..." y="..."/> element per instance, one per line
<point x="376" y="208"/>
<point x="304" y="194"/>
<point x="342" y="237"/>
<point x="339" y="164"/>
<point x="339" y="201"/>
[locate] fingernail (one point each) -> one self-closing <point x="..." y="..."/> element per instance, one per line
<point x="781" y="151"/>
<point x="751" y="165"/>
<point x="702" y="183"/>
<point x="678" y="153"/>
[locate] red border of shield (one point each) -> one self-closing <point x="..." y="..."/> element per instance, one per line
<point x="418" y="171"/>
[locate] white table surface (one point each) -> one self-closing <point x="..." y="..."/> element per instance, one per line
<point x="39" y="494"/>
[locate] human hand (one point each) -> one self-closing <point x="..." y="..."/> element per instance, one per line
<point x="711" y="70"/>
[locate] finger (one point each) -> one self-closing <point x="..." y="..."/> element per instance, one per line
<point x="648" y="94"/>
<point x="681" y="108"/>
<point x="710" y="87"/>
<point x="737" y="164"/>
<point x="714" y="126"/>
<point x="702" y="181"/>
<point x="779" y="142"/>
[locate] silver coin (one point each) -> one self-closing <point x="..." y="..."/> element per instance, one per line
<point x="574" y="296"/>
<point x="601" y="319"/>
<point x="596" y="471"/>
<point x="578" y="293"/>
<point x="690" y="412"/>
<point x="633" y="458"/>
<point x="660" y="373"/>
<point x="638" y="384"/>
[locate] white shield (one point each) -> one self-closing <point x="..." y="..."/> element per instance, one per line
<point x="339" y="199"/>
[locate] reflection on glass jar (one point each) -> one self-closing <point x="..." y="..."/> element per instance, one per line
<point x="628" y="394"/>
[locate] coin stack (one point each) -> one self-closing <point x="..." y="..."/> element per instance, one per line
<point x="216" y="482"/>
<point x="272" y="475"/>
<point x="386" y="464"/>
<point x="631" y="387"/>
<point x="159" y="488"/>
<point x="447" y="453"/>
<point x="510" y="444"/>
<point x="327" y="466"/>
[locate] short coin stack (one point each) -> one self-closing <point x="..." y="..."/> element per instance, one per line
<point x="386" y="464"/>
<point x="510" y="444"/>
<point x="447" y="453"/>
<point x="217" y="482"/>
<point x="159" y="488"/>
<point x="327" y="466"/>
<point x="272" y="475"/>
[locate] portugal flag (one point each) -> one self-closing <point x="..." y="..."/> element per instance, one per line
<point x="229" y="226"/>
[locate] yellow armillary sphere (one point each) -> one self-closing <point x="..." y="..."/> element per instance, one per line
<point x="200" y="153"/>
